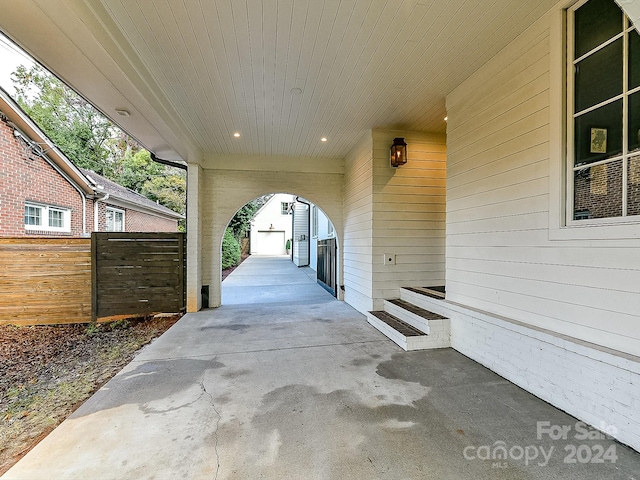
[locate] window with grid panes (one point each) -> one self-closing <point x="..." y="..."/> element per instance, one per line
<point x="604" y="112"/>
<point x="115" y="220"/>
<point x="46" y="218"/>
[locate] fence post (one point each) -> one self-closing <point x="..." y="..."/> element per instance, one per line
<point x="94" y="277"/>
<point x="183" y="263"/>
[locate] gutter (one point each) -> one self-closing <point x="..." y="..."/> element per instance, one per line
<point x="37" y="149"/>
<point x="95" y="210"/>
<point x="167" y="162"/>
<point x="308" y="232"/>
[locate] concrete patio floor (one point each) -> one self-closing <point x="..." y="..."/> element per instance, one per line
<point x="285" y="382"/>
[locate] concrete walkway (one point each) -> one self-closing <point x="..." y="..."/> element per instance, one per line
<point x="284" y="382"/>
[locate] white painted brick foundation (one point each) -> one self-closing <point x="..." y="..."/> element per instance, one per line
<point x="597" y="385"/>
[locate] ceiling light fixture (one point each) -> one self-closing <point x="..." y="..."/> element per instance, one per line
<point x="398" y="152"/>
<point x="323" y="139"/>
<point x="237" y="134"/>
<point x="446" y="118"/>
<point x="123" y="112"/>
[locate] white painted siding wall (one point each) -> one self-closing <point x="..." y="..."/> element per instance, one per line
<point x="408" y="214"/>
<point x="301" y="235"/>
<point x="399" y="211"/>
<point x="357" y="246"/>
<point x="499" y="254"/>
<point x="555" y="314"/>
<point x="323" y="233"/>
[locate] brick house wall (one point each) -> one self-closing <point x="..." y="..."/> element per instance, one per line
<point x="24" y="176"/>
<point x="142" y="222"/>
<point x="27" y="177"/>
<point x="135" y="221"/>
<point x="598" y="191"/>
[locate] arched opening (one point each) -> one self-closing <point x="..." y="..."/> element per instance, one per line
<point x="291" y="252"/>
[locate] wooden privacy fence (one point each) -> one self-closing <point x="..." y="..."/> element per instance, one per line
<point x="76" y="280"/>
<point x="45" y="281"/>
<point x="137" y="273"/>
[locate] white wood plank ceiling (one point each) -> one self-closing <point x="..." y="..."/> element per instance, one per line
<point x="282" y="73"/>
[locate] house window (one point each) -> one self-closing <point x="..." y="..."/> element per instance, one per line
<point x="604" y="112"/>
<point x="115" y="220"/>
<point x="314" y="222"/>
<point x="285" y="208"/>
<point x="46" y="218"/>
<point x="329" y="228"/>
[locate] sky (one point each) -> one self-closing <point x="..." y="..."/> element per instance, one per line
<point x="11" y="56"/>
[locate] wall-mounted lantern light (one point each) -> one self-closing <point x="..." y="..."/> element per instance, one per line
<point x="398" y="152"/>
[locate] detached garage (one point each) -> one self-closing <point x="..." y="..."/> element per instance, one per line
<point x="270" y="242"/>
<point x="271" y="226"/>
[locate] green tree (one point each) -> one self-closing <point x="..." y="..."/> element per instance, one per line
<point x="230" y="250"/>
<point x="86" y="136"/>
<point x="170" y="190"/>
<point x="91" y="141"/>
<point x="240" y="222"/>
<point x="136" y="169"/>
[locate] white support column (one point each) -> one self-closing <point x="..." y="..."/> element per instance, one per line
<point x="194" y="238"/>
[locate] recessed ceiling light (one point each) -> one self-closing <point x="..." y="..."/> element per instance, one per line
<point x="123" y="112"/>
<point x="323" y="139"/>
<point x="446" y="118"/>
<point x="296" y="91"/>
<point x="237" y="134"/>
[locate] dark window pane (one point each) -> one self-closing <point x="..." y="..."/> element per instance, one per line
<point x="596" y="22"/>
<point x="598" y="191"/>
<point x="599" y="131"/>
<point x="634" y="122"/>
<point x="599" y="76"/>
<point x="633" y="187"/>
<point x="634" y="59"/>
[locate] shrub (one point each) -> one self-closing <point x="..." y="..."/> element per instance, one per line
<point x="230" y="250"/>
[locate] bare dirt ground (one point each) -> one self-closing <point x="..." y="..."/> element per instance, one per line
<point x="46" y="372"/>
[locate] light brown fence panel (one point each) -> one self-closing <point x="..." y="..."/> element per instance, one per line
<point x="45" y="280"/>
<point x="137" y="273"/>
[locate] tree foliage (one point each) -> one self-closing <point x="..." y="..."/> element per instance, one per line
<point x="86" y="136"/>
<point x="240" y="222"/>
<point x="230" y="250"/>
<point x="92" y="141"/>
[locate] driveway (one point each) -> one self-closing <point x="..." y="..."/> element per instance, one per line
<point x="285" y="382"/>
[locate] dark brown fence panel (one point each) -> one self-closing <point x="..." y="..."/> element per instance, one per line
<point x="137" y="273"/>
<point x="45" y="280"/>
<point x="327" y="264"/>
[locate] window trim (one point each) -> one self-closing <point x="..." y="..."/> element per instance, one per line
<point x="106" y="220"/>
<point x="314" y="221"/>
<point x="286" y="211"/>
<point x="45" y="208"/>
<point x="331" y="231"/>
<point x="560" y="200"/>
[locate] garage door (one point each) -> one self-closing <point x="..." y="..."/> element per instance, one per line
<point x="270" y="243"/>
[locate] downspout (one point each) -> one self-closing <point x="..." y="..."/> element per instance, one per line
<point x="95" y="210"/>
<point x="308" y="237"/>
